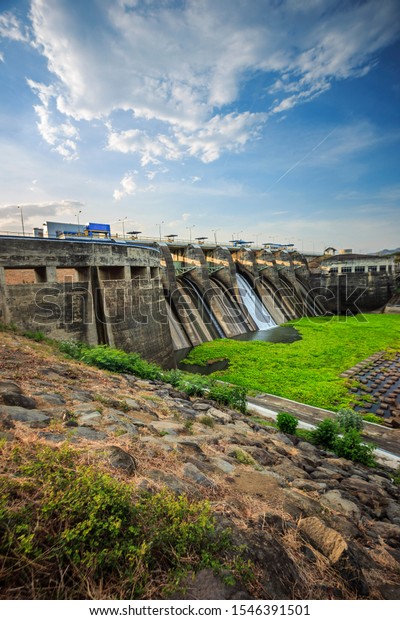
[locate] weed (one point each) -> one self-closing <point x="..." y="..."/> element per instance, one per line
<point x="207" y="420"/>
<point x="349" y="419"/>
<point x="244" y="457"/>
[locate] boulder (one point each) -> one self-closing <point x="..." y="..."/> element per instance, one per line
<point x="326" y="540"/>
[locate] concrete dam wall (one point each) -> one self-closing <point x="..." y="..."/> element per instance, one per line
<point x="161" y="298"/>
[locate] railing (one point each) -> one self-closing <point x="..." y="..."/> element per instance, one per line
<point x="164" y="239"/>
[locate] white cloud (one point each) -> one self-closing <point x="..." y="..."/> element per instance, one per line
<point x="62" y="136"/>
<point x="10" y="28"/>
<point x="128" y="187"/>
<point x="10" y="214"/>
<point x="179" y="68"/>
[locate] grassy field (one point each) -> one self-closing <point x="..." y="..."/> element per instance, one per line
<point x="306" y="370"/>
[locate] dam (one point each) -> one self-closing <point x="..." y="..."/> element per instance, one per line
<point x="159" y="298"/>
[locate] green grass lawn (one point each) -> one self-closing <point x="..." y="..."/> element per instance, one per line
<point x="306" y="370"/>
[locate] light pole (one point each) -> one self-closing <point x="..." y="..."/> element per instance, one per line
<point x="22" y="220"/>
<point x="77" y="215"/>
<point x="122" y="220"/>
<point x="159" y="228"/>
<point x="189" y="228"/>
<point x="215" y="230"/>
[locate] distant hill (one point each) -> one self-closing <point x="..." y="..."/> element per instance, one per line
<point x="384" y="252"/>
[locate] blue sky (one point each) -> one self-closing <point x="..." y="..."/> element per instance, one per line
<point x="268" y="119"/>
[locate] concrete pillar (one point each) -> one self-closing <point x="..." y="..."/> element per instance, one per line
<point x="2" y="276"/>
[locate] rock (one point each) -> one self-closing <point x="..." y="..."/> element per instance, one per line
<point x="6" y="422"/>
<point x="9" y="386"/>
<point x="14" y="399"/>
<point x="349" y="568"/>
<point x="90" y="419"/>
<point x="326" y="473"/>
<point x="167" y="427"/>
<point x="393" y="512"/>
<point x="192" y="473"/>
<point x="81" y="396"/>
<point x="89" y="433"/>
<point x="222" y="465"/>
<point x="86" y="409"/>
<point x="20" y="414"/>
<point x="329" y="542"/>
<point x="119" y="459"/>
<point x="170" y="481"/>
<point x="53" y="437"/>
<point x="389" y="532"/>
<point x="220" y="416"/>
<point x="289" y="471"/>
<point x="390" y="592"/>
<point x="51" y="399"/>
<point x="206" y="586"/>
<point x="132" y="404"/>
<point x="309" y="485"/>
<point x="198" y="406"/>
<point x="299" y="504"/>
<point x="335" y="501"/>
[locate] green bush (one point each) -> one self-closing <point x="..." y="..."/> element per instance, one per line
<point x="116" y="360"/>
<point x="349" y="419"/>
<point x="70" y="531"/>
<point x="326" y="433"/>
<point x="350" y="446"/>
<point x="286" y="423"/>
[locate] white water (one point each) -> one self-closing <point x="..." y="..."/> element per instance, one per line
<point x="255" y="307"/>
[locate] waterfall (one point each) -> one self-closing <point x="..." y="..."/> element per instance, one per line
<point x="255" y="307"/>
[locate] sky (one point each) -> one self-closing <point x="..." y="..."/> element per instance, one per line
<point x="266" y="120"/>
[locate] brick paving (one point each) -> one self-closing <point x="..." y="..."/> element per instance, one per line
<point x="378" y="379"/>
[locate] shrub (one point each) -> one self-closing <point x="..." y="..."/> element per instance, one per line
<point x="349" y="419"/>
<point x="350" y="446"/>
<point x="371" y="417"/>
<point x="70" y="531"/>
<point x="326" y="433"/>
<point x="286" y="423"/>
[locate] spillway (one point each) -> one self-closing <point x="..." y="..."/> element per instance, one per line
<point x="254" y="305"/>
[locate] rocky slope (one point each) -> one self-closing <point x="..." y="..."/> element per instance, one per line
<point x="315" y="526"/>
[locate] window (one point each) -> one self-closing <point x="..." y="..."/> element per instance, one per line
<point x="346" y="269"/>
<point x="372" y="268"/>
<point x="382" y="267"/>
<point x="333" y="270"/>
<point x="359" y="269"/>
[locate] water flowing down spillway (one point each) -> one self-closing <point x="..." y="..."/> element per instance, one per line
<point x="254" y="305"/>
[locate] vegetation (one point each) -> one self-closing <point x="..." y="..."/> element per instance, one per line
<point x="326" y="433"/>
<point x="115" y="360"/>
<point x="70" y="531"/>
<point x="307" y="370"/>
<point x="350" y="446"/>
<point x="348" y="419"/>
<point x="286" y="423"/>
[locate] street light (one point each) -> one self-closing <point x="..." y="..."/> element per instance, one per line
<point x="189" y="228"/>
<point x="159" y="228"/>
<point x="215" y="230"/>
<point x="123" y="219"/>
<point x="22" y="220"/>
<point x="77" y="215"/>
